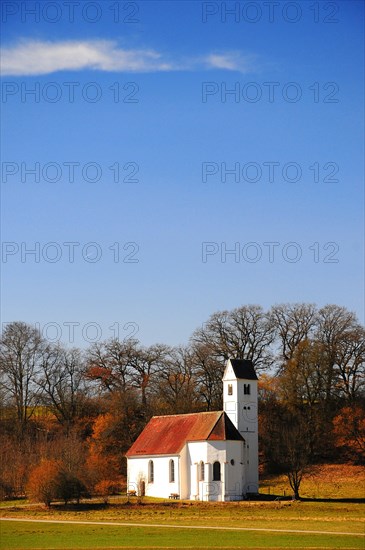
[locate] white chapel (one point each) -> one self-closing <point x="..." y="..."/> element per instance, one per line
<point x="202" y="456"/>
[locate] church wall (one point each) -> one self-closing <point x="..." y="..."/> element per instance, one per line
<point x="138" y="469"/>
<point x="184" y="473"/>
<point x="188" y="483"/>
<point x="216" y="452"/>
<point x="231" y="486"/>
<point x="232" y="482"/>
<point x="234" y="471"/>
<point x="196" y="451"/>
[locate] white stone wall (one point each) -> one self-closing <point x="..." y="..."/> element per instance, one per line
<point x="161" y="486"/>
<point x="184" y="474"/>
<point x="242" y="410"/>
<point x="232" y="475"/>
<point x="230" y="455"/>
<point x="232" y="482"/>
<point x="235" y="471"/>
<point x="196" y="451"/>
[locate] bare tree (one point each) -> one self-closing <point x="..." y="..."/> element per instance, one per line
<point x="350" y="365"/>
<point x="294" y="323"/>
<point x="343" y="339"/>
<point x="208" y="373"/>
<point x="108" y="363"/>
<point x="301" y="380"/>
<point x="145" y="362"/>
<point x="21" y="355"/>
<point x="121" y="365"/>
<point x="176" y="383"/>
<point x="302" y="389"/>
<point x="243" y="333"/>
<point x="293" y="449"/>
<point x="63" y="384"/>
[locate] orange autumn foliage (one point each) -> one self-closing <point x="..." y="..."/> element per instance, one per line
<point x="42" y="483"/>
<point x="101" y="464"/>
<point x="268" y="387"/>
<point x="349" y="430"/>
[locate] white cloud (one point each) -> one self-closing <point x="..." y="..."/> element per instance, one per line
<point x="231" y="61"/>
<point x="31" y="58"/>
<point x="39" y="57"/>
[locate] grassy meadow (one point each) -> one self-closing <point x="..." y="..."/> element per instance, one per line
<point x="332" y="505"/>
<point x="330" y="481"/>
<point x="49" y="536"/>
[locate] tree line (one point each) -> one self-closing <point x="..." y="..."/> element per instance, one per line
<point x="69" y="415"/>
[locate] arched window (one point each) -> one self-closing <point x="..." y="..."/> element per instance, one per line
<point x="172" y="471"/>
<point x="216" y="471"/>
<point x="150" y="472"/>
<point x="201" y="471"/>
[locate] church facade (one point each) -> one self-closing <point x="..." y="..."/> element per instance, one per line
<point x="209" y="456"/>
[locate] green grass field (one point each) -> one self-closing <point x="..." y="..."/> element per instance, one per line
<point x="331" y="516"/>
<point x="48" y="536"/>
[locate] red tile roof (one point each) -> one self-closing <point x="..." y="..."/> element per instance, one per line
<point x="168" y="434"/>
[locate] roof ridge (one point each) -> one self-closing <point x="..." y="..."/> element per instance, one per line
<point x="183" y="414"/>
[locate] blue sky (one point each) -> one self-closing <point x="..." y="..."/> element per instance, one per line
<point x="150" y="97"/>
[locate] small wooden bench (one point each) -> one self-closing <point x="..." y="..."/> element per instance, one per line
<point x="175" y="496"/>
<point x="131" y="493"/>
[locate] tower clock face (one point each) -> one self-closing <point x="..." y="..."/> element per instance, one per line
<point x="249" y="412"/>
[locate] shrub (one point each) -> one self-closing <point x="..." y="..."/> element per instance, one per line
<point x="42" y="483"/>
<point x="49" y="481"/>
<point x="69" y="487"/>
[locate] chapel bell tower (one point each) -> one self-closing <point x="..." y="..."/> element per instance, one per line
<point x="241" y="405"/>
